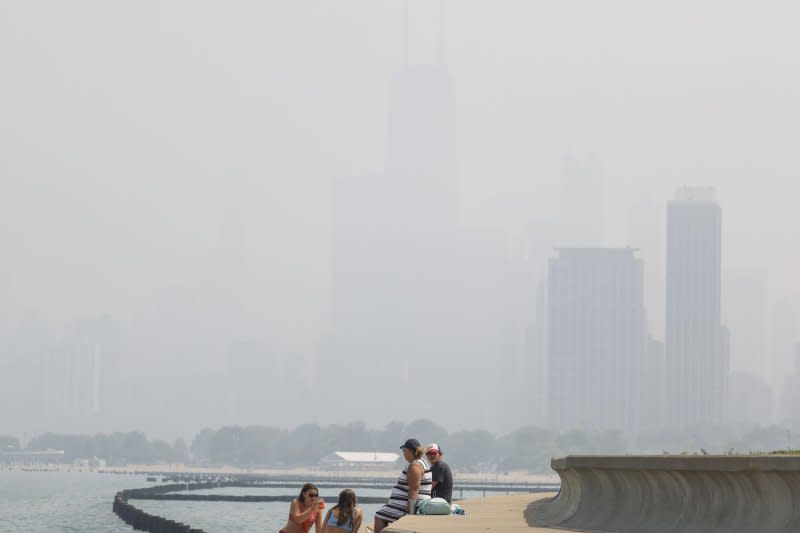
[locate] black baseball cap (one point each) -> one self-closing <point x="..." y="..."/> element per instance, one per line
<point x="411" y="444"/>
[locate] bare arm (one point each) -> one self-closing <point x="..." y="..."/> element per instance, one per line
<point x="327" y="519"/>
<point x="318" y="524"/>
<point x="414" y="479"/>
<point x="357" y="520"/>
<point x="297" y="516"/>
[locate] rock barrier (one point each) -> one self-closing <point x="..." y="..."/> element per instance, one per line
<point x="141" y="521"/>
<point x="670" y="494"/>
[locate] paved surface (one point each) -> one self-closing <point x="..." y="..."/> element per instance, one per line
<point x="504" y="513"/>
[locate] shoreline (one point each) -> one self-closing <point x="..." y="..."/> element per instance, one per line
<point x="308" y="472"/>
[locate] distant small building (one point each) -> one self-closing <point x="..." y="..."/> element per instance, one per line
<point x="359" y="460"/>
<point x="32" y="457"/>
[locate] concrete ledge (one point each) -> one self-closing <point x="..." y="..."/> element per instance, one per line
<point x="504" y="513"/>
<point x="688" y="494"/>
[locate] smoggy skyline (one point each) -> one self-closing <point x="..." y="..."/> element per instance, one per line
<point x="172" y="169"/>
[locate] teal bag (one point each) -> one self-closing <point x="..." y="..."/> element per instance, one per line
<point x="433" y="506"/>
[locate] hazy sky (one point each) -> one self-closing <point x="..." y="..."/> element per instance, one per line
<point x="150" y="148"/>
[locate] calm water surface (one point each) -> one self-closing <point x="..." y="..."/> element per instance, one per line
<point x="46" y="502"/>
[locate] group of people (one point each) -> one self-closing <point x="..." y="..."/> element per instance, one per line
<point x="426" y="476"/>
<point x="304" y="512"/>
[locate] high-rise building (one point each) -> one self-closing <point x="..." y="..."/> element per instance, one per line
<point x="783" y="337"/>
<point x="596" y="338"/>
<point x="413" y="295"/>
<point x="750" y="399"/>
<point x="646" y="234"/>
<point x="696" y="342"/>
<point x="536" y="350"/>
<point x="744" y="311"/>
<point x="395" y="246"/>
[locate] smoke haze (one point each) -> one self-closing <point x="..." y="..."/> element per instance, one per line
<point x="210" y="211"/>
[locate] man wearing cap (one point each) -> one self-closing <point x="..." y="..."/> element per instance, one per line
<point x="442" y="475"/>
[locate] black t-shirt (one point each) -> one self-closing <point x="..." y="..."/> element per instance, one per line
<point x="444" y="488"/>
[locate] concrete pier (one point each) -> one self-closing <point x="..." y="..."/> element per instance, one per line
<point x="504" y="513"/>
<point x="681" y="493"/>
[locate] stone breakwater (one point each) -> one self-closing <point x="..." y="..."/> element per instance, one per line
<point x="141" y="521"/>
<point x="687" y="494"/>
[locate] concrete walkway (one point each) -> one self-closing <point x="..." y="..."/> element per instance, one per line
<point x="504" y="513"/>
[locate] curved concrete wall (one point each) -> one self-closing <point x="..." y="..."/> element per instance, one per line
<point x="687" y="494"/>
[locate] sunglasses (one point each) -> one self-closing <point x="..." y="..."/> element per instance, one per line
<point x="312" y="494"/>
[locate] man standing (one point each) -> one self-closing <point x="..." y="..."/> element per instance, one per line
<point x="442" y="475"/>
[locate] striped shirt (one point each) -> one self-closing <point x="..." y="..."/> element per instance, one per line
<point x="397" y="507"/>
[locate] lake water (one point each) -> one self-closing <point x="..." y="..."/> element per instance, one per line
<point x="80" y="502"/>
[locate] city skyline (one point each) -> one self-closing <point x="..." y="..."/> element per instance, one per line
<point x="271" y="221"/>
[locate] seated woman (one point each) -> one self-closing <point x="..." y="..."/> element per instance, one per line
<point x="304" y="511"/>
<point x="344" y="517"/>
<point x="413" y="484"/>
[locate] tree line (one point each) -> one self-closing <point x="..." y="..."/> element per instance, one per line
<point x="528" y="448"/>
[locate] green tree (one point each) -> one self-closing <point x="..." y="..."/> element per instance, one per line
<point x="162" y="452"/>
<point x="136" y="448"/>
<point x="573" y="442"/>
<point x="263" y="446"/>
<point x="470" y="450"/>
<point x="306" y="445"/>
<point x="528" y="448"/>
<point x="226" y="445"/>
<point x="180" y="452"/>
<point x="425" y="431"/>
<point x="391" y="437"/>
<point x="201" y="445"/>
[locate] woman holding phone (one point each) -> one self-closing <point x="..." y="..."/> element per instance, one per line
<point x="304" y="511"/>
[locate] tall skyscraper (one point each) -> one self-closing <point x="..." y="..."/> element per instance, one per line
<point x="696" y="342"/>
<point x="646" y="234"/>
<point x="783" y="337"/>
<point x="596" y="338"/>
<point x="396" y="316"/>
<point x="745" y="311"/>
<point x="536" y="350"/>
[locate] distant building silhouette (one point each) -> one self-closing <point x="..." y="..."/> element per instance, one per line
<point x="596" y="338"/>
<point x="783" y="339"/>
<point x="745" y="311"/>
<point x="646" y="234"/>
<point x="395" y="247"/>
<point x="791" y="390"/>
<point x="536" y="350"/>
<point x="750" y="399"/>
<point x="582" y="217"/>
<point x="654" y="381"/>
<point x="417" y="301"/>
<point x="696" y="342"/>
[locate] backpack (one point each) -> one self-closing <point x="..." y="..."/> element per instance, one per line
<point x="433" y="506"/>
